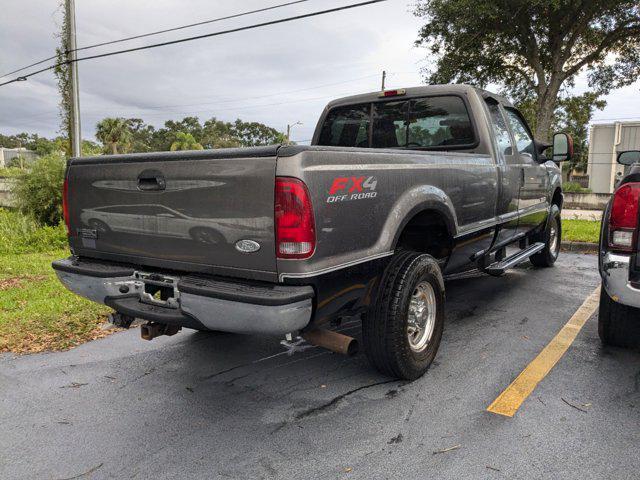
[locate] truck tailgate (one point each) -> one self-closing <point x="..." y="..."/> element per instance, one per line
<point x="177" y="210"/>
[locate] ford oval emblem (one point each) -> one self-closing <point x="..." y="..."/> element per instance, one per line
<point x="247" y="246"/>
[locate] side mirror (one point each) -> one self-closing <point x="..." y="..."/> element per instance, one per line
<point x="629" y="157"/>
<point x="562" y="147"/>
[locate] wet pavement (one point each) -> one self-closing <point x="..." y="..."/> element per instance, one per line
<point x="227" y="406"/>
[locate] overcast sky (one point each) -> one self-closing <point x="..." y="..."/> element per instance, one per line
<point x="275" y="75"/>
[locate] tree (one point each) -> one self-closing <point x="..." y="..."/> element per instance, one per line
<point x="62" y="72"/>
<point x="90" y="148"/>
<point x="253" y="134"/>
<point x="185" y="141"/>
<point x="115" y="135"/>
<point x="572" y="116"/>
<point x="219" y="134"/>
<point x="533" y="49"/>
<point x="141" y="135"/>
<point x="216" y="133"/>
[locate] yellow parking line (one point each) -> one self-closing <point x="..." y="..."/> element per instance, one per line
<point x="509" y="401"/>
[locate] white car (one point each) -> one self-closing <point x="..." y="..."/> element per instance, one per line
<point x="158" y="220"/>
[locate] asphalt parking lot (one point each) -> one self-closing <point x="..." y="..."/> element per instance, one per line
<point x="224" y="406"/>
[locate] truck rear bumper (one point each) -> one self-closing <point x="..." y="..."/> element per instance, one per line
<point x="615" y="278"/>
<point x="200" y="302"/>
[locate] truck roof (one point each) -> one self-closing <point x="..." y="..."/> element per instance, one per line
<point x="447" y="89"/>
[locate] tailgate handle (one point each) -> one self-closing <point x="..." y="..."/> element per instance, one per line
<point x="151" y="180"/>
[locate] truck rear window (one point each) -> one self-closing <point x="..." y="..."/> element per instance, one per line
<point x="432" y="123"/>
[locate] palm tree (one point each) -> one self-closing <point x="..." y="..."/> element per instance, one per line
<point x="185" y="141"/>
<point x="115" y="134"/>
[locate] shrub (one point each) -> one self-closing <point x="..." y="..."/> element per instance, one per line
<point x="21" y="234"/>
<point x="39" y="192"/>
<point x="14" y="162"/>
<point x="11" y="172"/>
<point x="574" y="187"/>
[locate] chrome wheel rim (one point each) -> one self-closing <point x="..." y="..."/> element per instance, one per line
<point x="421" y="317"/>
<point x="553" y="239"/>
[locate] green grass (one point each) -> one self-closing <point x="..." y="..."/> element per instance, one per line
<point x="36" y="312"/>
<point x="580" y="231"/>
<point x="21" y="234"/>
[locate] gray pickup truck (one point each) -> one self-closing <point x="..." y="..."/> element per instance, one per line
<point x="398" y="189"/>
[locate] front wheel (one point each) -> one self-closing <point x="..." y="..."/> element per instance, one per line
<point x="403" y="327"/>
<point x="552" y="237"/>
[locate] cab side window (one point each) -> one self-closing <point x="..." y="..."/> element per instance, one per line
<point x="524" y="141"/>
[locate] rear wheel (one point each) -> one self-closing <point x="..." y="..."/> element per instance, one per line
<point x="552" y="237"/>
<point x="618" y="324"/>
<point x="403" y="327"/>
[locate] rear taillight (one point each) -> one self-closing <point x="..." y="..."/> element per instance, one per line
<point x="65" y="205"/>
<point x="295" y="226"/>
<point x="623" y="224"/>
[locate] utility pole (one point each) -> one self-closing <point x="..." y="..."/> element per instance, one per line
<point x="289" y="127"/>
<point x="384" y="77"/>
<point x="76" y="136"/>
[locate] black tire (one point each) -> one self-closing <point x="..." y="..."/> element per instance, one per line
<point x="386" y="323"/>
<point x="548" y="256"/>
<point x="618" y="324"/>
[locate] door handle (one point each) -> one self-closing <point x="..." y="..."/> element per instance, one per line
<point x="522" y="177"/>
<point x="151" y="180"/>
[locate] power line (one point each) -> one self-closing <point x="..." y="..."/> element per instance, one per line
<point x="29" y="66"/>
<point x="141" y="110"/>
<point x="158" y="32"/>
<point x="200" y="37"/>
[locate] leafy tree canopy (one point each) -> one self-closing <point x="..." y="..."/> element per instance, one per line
<point x="115" y="134"/>
<point x="185" y="141"/>
<point x="533" y="49"/>
<point x="45" y="146"/>
<point x="126" y="135"/>
<point x="213" y="133"/>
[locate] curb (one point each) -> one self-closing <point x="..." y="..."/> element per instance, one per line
<point x="580" y="247"/>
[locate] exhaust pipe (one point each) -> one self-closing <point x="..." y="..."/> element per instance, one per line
<point x="151" y="330"/>
<point x="334" y="341"/>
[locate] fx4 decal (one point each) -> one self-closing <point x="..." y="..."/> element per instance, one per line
<point x="344" y="189"/>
